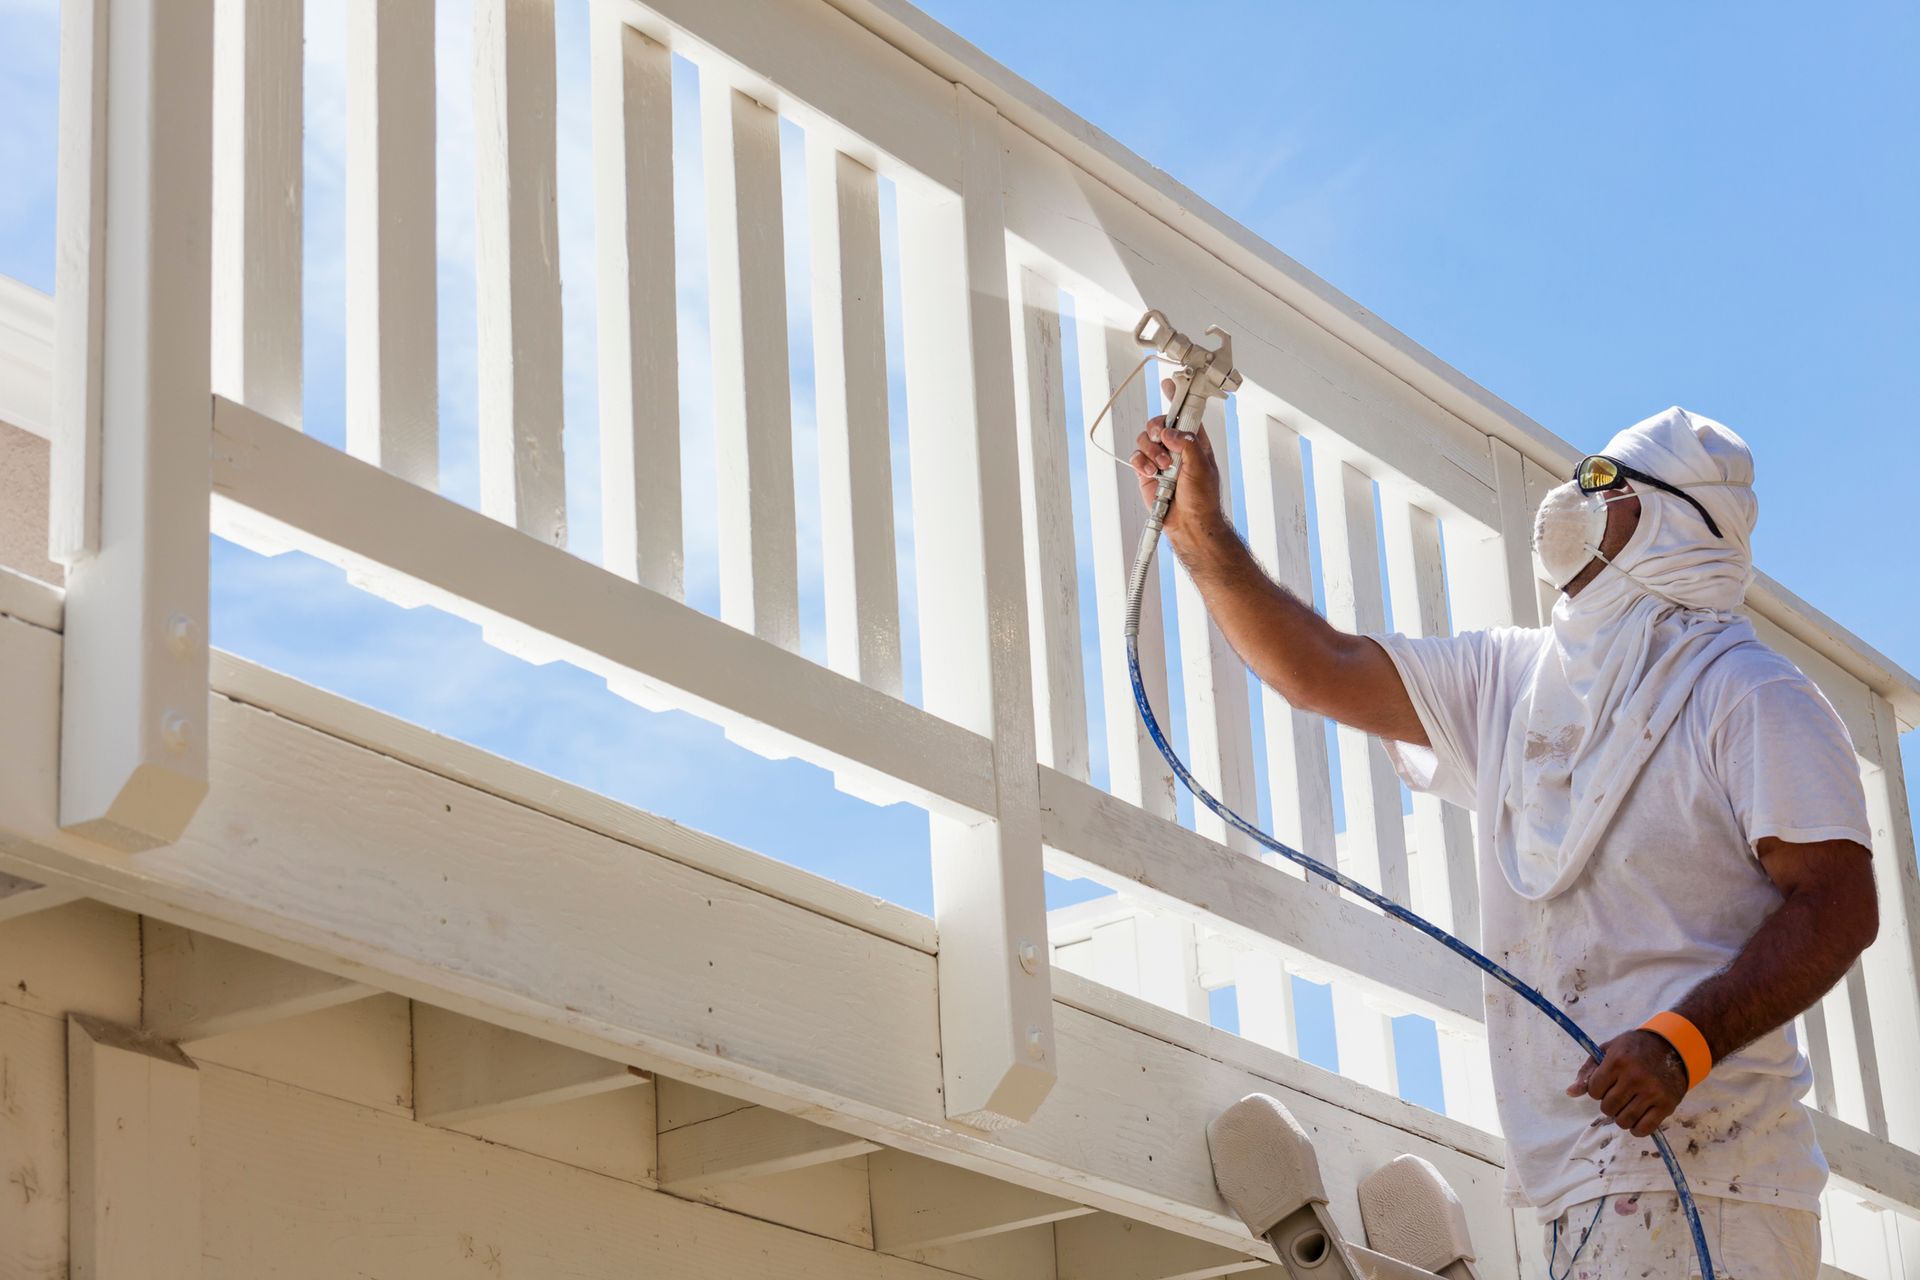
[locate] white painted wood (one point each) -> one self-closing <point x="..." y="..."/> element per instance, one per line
<point x="1298" y="778"/>
<point x="1866" y="1055"/>
<point x="1852" y="1101"/>
<point x="1011" y="1255"/>
<point x="1104" y="1247"/>
<point x="1810" y="1029"/>
<point x="517" y="268"/>
<point x="466" y="1070"/>
<point x="1444" y="889"/>
<point x="382" y="528"/>
<point x="752" y="398"/>
<point x="823" y="1199"/>
<point x="1219" y="722"/>
<point x="258" y="71"/>
<point x="31" y="601"/>
<point x="640" y="499"/>
<point x="610" y="1133"/>
<point x="135" y="733"/>
<point x="83" y="957"/>
<point x="20" y="897"/>
<point x="133" y="1116"/>
<point x="1096" y="836"/>
<point x="682" y="1104"/>
<point x="1046" y="519"/>
<point x="1135" y="769"/>
<point x="989" y="893"/>
<point x="861" y="578"/>
<point x="1263" y="995"/>
<point x="756" y="1142"/>
<point x="293" y="1180"/>
<point x="1878" y="1172"/>
<point x="33" y="1144"/>
<point x="195" y="986"/>
<point x="392" y="329"/>
<point x="1376" y="851"/>
<point x="360" y="1052"/>
<point x="78" y="330"/>
<point x="1466" y="1078"/>
<point x="922" y="1204"/>
<point x="1515" y="548"/>
<point x="1891" y="966"/>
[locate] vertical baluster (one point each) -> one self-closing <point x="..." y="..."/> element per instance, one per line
<point x="753" y="403"/>
<point x="1446" y="891"/>
<point x="1891" y="965"/>
<point x="1493" y="579"/>
<point x="133" y="740"/>
<point x="257" y="74"/>
<point x="1219" y="721"/>
<point x="517" y="268"/>
<point x="1297" y="775"/>
<point x="640" y="505"/>
<point x="1376" y="850"/>
<point x="393" y="391"/>
<point x="850" y="397"/>
<point x="996" y="1010"/>
<point x="80" y="274"/>
<point x="1136" y="771"/>
<point x="1538" y="481"/>
<point x="1263" y="990"/>
<point x="1812" y="1026"/>
<point x="1849" y="1048"/>
<point x="1169" y="965"/>
<point x="1444" y="888"/>
<point x="1046" y="508"/>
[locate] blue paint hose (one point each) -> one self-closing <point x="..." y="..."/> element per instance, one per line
<point x="1136" y="586"/>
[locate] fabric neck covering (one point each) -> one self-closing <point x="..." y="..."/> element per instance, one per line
<point x="1620" y="659"/>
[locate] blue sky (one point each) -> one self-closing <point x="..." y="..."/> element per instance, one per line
<point x="1594" y="211"/>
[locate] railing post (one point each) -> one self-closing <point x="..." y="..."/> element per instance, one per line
<point x="1891" y="966"/>
<point x="996" y="1006"/>
<point x="133" y="765"/>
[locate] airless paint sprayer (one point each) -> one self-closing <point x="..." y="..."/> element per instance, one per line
<point x="1201" y="374"/>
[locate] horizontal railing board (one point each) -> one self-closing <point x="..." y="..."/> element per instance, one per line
<point x="1177" y="870"/>
<point x="350" y="860"/>
<point x="348" y="512"/>
<point x="31" y="601"/>
<point x="349" y="721"/>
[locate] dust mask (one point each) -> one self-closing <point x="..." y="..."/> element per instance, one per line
<point x="1567" y="531"/>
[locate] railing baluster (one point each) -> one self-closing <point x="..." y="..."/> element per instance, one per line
<point x="753" y="402"/>
<point x="1376" y="850"/>
<point x="1892" y="964"/>
<point x="517" y="268"/>
<point x="640" y="502"/>
<point x="850" y="404"/>
<point x="1298" y="778"/>
<point x="1445" y="886"/>
<point x="1812" y="1025"/>
<point x="1046" y="508"/>
<point x="1263" y="990"/>
<point x="996" y="1009"/>
<point x="393" y="391"/>
<point x="258" y="67"/>
<point x="1855" y="1077"/>
<point x="1442" y="868"/>
<point x="1219" y="721"/>
<point x="133" y="739"/>
<point x="1135" y="769"/>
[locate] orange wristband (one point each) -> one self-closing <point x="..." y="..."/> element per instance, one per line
<point x="1686" y="1040"/>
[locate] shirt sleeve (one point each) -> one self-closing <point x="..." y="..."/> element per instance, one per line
<point x="1787" y="763"/>
<point x="1446" y="678"/>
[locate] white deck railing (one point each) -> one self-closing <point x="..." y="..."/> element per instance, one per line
<point x="1012" y="216"/>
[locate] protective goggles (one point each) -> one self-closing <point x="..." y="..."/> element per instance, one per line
<point x="1597" y="473"/>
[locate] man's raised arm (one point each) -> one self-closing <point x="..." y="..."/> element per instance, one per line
<point x="1312" y="664"/>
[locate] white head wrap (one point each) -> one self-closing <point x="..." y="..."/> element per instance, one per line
<point x="1624" y="654"/>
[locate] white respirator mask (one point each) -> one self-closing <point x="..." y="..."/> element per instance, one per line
<point x="1567" y="531"/>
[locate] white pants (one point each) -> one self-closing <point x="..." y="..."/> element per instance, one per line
<point x="1646" y="1235"/>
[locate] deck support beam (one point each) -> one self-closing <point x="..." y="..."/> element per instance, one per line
<point x="133" y="1133"/>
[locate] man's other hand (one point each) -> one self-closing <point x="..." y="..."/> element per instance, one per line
<point x="1638" y="1081"/>
<point x="1196" y="509"/>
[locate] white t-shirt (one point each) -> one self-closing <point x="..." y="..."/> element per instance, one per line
<point x="1671" y="895"/>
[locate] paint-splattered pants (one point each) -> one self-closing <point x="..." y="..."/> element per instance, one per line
<point x="1646" y="1235"/>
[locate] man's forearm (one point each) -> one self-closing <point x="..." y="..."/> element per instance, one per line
<point x="1280" y="638"/>
<point x="1792" y="960"/>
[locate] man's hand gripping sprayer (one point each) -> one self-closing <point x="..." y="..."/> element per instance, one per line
<point x="1202" y="374"/>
